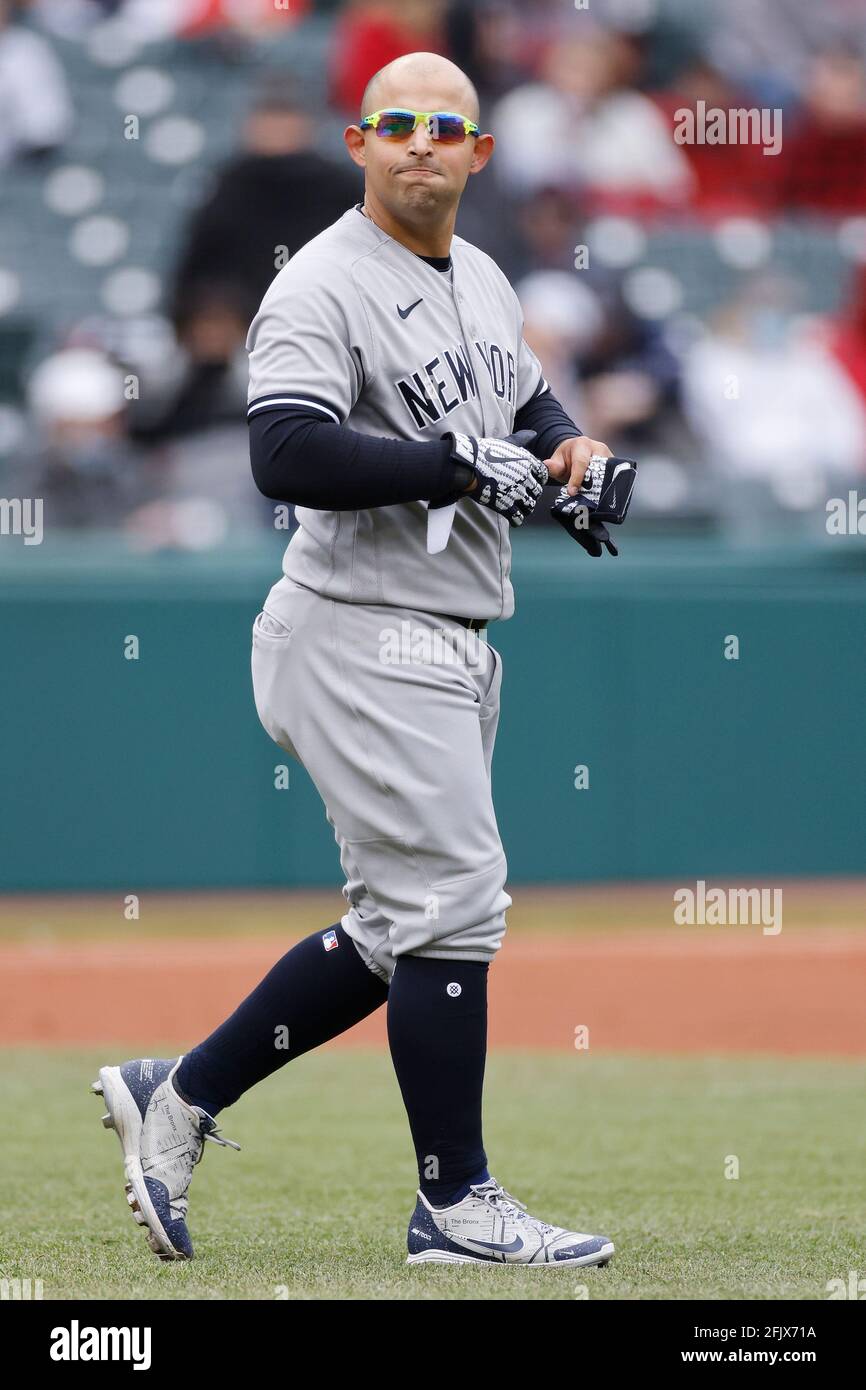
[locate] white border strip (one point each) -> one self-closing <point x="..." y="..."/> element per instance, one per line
<point x="293" y="400"/>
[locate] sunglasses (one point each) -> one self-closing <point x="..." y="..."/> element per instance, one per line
<point x="397" y="124"/>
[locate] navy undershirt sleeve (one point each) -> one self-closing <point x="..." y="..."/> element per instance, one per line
<point x="299" y="457"/>
<point x="552" y="423"/>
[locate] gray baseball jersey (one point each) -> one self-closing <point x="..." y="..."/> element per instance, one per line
<point x="363" y="331"/>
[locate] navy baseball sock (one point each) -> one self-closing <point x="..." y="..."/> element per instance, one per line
<point x="315" y="992"/>
<point x="437" y="1031"/>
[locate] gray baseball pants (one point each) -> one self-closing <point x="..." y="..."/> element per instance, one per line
<point x="393" y="712"/>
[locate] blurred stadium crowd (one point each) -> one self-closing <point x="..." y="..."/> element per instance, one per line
<point x="155" y="155"/>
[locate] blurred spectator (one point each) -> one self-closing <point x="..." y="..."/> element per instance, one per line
<point x="192" y="416"/>
<point x="546" y="224"/>
<point x="728" y="179"/>
<point x="562" y="318"/>
<point x="583" y="127"/>
<point x="371" y="33"/>
<point x="74" y="17"/>
<point x="270" y="199"/>
<point x="488" y="41"/>
<point x="206" y="495"/>
<point x="205" y="383"/>
<point x="630" y="376"/>
<point x="35" y="110"/>
<point x="770" y="404"/>
<point x="769" y="47"/>
<point x="823" y="159"/>
<point x="247" y="17"/>
<point x="81" y="461"/>
<point x="845" y="337"/>
<point x="160" y="19"/>
<point x="612" y="371"/>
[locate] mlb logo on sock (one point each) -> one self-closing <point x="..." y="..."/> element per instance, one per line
<point x="329" y="941"/>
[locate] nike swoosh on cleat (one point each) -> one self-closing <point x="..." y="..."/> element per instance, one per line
<point x="404" y="313"/>
<point x="512" y="1249"/>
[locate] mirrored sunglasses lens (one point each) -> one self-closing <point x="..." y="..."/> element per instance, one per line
<point x="448" y="129"/>
<point x="395" y="125"/>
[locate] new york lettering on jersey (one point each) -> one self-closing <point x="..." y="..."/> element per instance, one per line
<point x="438" y="387"/>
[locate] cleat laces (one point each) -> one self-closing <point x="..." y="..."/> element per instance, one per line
<point x="209" y="1130"/>
<point x="504" y="1204"/>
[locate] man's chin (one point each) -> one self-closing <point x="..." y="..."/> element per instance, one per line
<point x="423" y="192"/>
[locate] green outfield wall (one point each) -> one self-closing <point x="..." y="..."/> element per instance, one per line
<point x="132" y="774"/>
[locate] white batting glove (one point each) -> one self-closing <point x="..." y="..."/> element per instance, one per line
<point x="510" y="478"/>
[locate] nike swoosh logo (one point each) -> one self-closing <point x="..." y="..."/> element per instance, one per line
<point x="404" y="313"/>
<point x="512" y="1249"/>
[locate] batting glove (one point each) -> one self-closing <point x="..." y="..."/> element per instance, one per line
<point x="576" y="517"/>
<point x="510" y="478"/>
<point x="604" y="495"/>
<point x="607" y="487"/>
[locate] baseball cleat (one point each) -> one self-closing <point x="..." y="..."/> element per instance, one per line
<point x="162" y="1138"/>
<point x="490" y="1227"/>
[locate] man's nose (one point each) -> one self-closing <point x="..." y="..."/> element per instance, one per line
<point x="421" y="141"/>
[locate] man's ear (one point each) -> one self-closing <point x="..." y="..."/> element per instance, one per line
<point x="355" y="143"/>
<point x="484" y="145"/>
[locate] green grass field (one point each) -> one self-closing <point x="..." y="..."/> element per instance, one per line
<point x="316" y="1205"/>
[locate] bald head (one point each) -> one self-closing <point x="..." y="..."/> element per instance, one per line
<point x="394" y="85"/>
<point x="413" y="180"/>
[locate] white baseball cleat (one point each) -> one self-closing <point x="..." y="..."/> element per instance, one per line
<point x="162" y="1138"/>
<point x="490" y="1227"/>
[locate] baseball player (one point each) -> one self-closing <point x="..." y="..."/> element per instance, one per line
<point x="394" y="402"/>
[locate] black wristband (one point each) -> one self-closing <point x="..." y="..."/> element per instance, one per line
<point x="463" y="475"/>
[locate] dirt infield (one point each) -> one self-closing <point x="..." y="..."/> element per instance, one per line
<point x="729" y="990"/>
